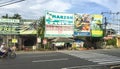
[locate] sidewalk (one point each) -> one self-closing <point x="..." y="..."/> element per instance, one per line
<point x="30" y="52"/>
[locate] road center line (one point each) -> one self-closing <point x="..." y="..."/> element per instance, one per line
<point x="36" y="61"/>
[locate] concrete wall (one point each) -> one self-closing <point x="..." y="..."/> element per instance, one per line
<point x="118" y="41"/>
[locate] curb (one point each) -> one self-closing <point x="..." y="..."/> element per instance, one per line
<point x="30" y="52"/>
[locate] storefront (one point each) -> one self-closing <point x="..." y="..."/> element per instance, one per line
<point x="19" y="33"/>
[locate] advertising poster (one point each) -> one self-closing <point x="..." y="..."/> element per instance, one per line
<point x="59" y="24"/>
<point x="28" y="27"/>
<point x="82" y="25"/>
<point x="96" y="25"/>
<point x="15" y="26"/>
<point x="9" y="26"/>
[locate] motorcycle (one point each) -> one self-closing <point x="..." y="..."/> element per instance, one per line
<point x="10" y="54"/>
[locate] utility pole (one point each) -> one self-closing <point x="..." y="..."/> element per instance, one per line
<point x="106" y="21"/>
<point x="105" y="26"/>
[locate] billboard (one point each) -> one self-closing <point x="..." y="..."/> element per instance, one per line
<point x="59" y="24"/>
<point x="96" y="25"/>
<point x="9" y="26"/>
<point x="82" y="25"/>
<point x="28" y="27"/>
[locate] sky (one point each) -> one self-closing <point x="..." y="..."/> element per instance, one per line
<point x="34" y="9"/>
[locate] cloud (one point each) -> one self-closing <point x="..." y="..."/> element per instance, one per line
<point x="53" y="5"/>
<point x="33" y="9"/>
<point x="113" y="5"/>
<point x="87" y="6"/>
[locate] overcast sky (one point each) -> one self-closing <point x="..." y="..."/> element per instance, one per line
<point x="33" y="9"/>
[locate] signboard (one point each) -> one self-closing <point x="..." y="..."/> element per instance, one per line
<point x="14" y="40"/>
<point x="9" y="26"/>
<point x="82" y="25"/>
<point x="9" y="20"/>
<point x="45" y="41"/>
<point x="28" y="27"/>
<point x="38" y="40"/>
<point x="14" y="26"/>
<point x="59" y="24"/>
<point x="96" y="25"/>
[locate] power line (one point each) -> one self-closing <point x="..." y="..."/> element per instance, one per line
<point x="4" y="2"/>
<point x="11" y="3"/>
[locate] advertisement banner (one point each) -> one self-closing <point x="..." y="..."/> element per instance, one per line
<point x="5" y="20"/>
<point x="28" y="27"/>
<point x="16" y="26"/>
<point x="59" y="24"/>
<point x="96" y="25"/>
<point x="82" y="25"/>
<point x="9" y="26"/>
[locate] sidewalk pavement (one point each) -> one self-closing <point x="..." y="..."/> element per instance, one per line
<point x="30" y="52"/>
<point x="52" y="51"/>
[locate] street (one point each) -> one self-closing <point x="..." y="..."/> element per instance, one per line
<point x="63" y="59"/>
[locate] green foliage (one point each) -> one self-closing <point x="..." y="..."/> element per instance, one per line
<point x="15" y="16"/>
<point x="93" y="39"/>
<point x="111" y="42"/>
<point x="92" y="42"/>
<point x="41" y="27"/>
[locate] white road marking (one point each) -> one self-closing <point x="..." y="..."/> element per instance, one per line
<point x="110" y="62"/>
<point x="98" y="58"/>
<point x="74" y="67"/>
<point x="36" y="61"/>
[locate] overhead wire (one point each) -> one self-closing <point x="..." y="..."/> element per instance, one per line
<point x="11" y="2"/>
<point x="4" y="2"/>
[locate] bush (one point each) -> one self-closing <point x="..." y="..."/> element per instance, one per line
<point x="111" y="42"/>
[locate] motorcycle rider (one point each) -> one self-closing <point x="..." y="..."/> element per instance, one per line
<point x="2" y="49"/>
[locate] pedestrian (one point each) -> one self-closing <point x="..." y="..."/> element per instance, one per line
<point x="14" y="48"/>
<point x="34" y="48"/>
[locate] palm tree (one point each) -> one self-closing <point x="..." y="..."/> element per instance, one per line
<point x="41" y="29"/>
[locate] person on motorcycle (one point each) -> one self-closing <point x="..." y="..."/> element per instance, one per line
<point x="3" y="49"/>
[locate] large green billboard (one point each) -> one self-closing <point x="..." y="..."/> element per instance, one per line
<point x="9" y="26"/>
<point x="96" y="25"/>
<point x="28" y="27"/>
<point x="16" y="26"/>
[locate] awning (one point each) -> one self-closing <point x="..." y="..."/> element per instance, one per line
<point x="63" y="40"/>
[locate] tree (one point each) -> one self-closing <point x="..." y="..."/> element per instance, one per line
<point x="92" y="42"/>
<point x="6" y="16"/>
<point x="41" y="29"/>
<point x="15" y="16"/>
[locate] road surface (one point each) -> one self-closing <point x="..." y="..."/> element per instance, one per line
<point x="89" y="59"/>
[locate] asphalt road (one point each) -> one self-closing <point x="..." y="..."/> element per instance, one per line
<point x="92" y="59"/>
